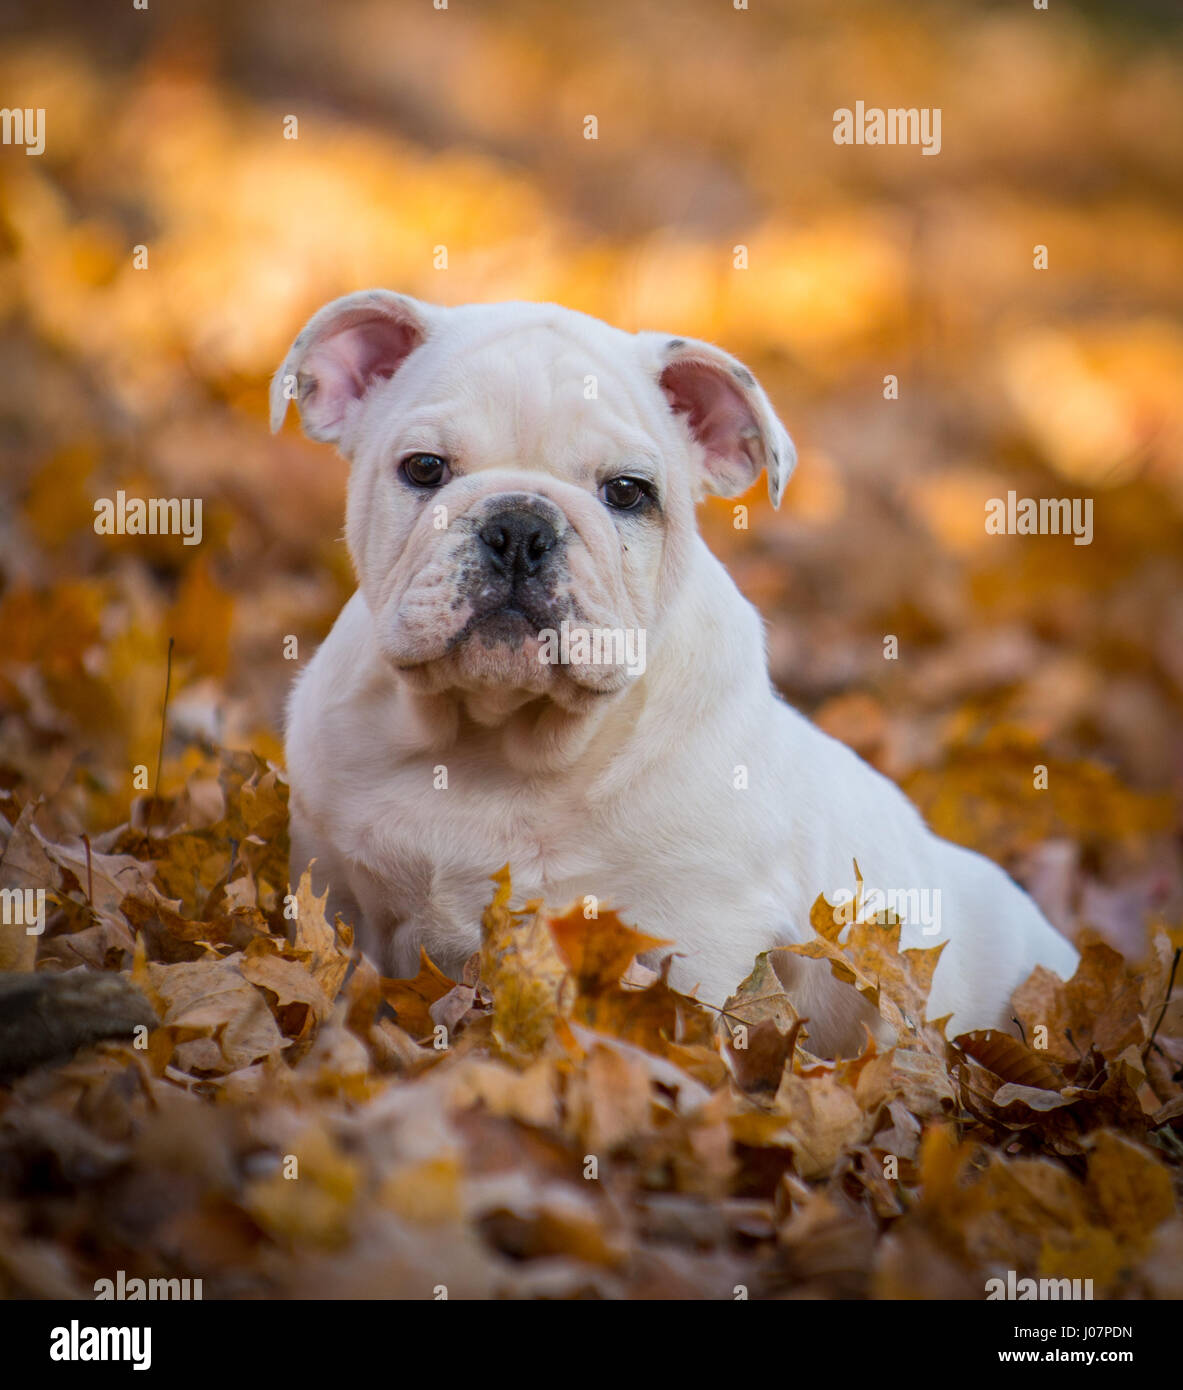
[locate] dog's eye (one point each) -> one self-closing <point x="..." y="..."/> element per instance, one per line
<point x="625" y="493"/>
<point x="424" y="470"/>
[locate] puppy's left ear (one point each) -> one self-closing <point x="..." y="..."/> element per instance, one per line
<point x="728" y="415"/>
<point x="341" y="352"/>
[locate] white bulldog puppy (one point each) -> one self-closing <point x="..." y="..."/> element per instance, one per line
<point x="544" y="665"/>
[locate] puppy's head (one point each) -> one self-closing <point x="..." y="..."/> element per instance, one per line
<point x="521" y="501"/>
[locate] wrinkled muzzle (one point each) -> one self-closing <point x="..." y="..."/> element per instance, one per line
<point x="508" y="595"/>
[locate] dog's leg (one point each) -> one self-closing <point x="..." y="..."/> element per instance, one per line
<point x="838" y="1018"/>
<point x="309" y="851"/>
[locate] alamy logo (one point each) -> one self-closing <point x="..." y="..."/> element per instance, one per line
<point x="1045" y="516"/>
<point x="593" y="646"/>
<point x="23" y="126"/>
<point x="77" y="1343"/>
<point x="23" y="907"/>
<point x="897" y="125"/>
<point x="153" y="1290"/>
<point x="912" y="907"/>
<point x="1012" y="1287"/>
<point x="122" y="515"/>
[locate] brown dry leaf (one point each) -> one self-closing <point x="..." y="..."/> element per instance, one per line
<point x="598" y="950"/>
<point x="609" y="1100"/>
<point x="902" y="1136"/>
<point x="756" y="1057"/>
<point x="156" y="916"/>
<point x="867" y="955"/>
<point x="363" y="996"/>
<point x="1058" y="1117"/>
<point x="697" y="1060"/>
<point x="1132" y="1189"/>
<point x="217" y="998"/>
<point x="1168" y="1113"/>
<point x="761" y="1028"/>
<point x="191" y="867"/>
<point x="1033" y="1097"/>
<point x="412" y="999"/>
<point x="922" y="1081"/>
<point x="521" y="965"/>
<point x="761" y="997"/>
<point x="325" y="947"/>
<point x="1031" y="1214"/>
<point x="530" y="1096"/>
<point x="1100" y="1006"/>
<point x="24" y="865"/>
<point x="262" y="802"/>
<point x="1085" y="1252"/>
<point x="1009" y="1059"/>
<point x="824" y="1120"/>
<point x="289" y="980"/>
<point x="535" y="1219"/>
<point x="428" y="1192"/>
<point x="954" y="1211"/>
<point x="310" y="1198"/>
<point x="1162" y="999"/>
<point x="653" y="1017"/>
<point x="657" y="1019"/>
<point x="1164" y="946"/>
<point x="103" y="945"/>
<point x="104" y="879"/>
<point x="451" y="1012"/>
<point x="1026" y="1202"/>
<point x="200" y="621"/>
<point x="825" y="1247"/>
<point x="982" y="796"/>
<point x="393" y="1049"/>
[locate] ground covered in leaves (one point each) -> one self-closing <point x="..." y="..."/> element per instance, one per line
<point x="559" y="1122"/>
<point x="289" y="1126"/>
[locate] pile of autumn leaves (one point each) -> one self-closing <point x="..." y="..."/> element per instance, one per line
<point x="559" y="1122"/>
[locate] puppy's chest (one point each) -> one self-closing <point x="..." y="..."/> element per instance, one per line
<point x="461" y="821"/>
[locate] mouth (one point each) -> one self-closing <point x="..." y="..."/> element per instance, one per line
<point x="507" y="624"/>
<point x="485" y="624"/>
<point x="507" y="629"/>
<point x="515" y="646"/>
<point x="510" y="618"/>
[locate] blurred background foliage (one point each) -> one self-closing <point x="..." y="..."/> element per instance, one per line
<point x="464" y="128"/>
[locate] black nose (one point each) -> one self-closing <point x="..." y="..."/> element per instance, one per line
<point x="517" y="540"/>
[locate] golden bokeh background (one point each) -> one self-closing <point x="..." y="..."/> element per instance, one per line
<point x="464" y="128"/>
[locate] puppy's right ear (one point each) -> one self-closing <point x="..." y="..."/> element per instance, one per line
<point x="729" y="418"/>
<point x="342" y="350"/>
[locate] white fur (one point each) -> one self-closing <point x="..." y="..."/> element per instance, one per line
<point x="624" y="787"/>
